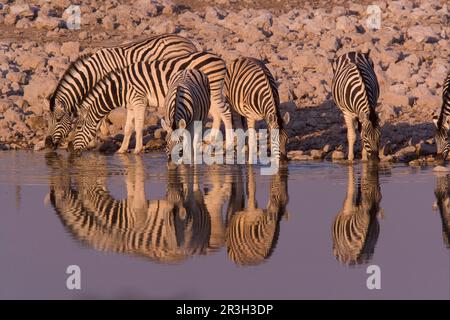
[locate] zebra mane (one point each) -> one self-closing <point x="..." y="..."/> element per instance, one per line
<point x="81" y="59"/>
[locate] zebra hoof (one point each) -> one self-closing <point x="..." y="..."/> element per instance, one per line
<point x="120" y="151"/>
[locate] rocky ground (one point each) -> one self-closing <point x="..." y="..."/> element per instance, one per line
<point x="411" y="53"/>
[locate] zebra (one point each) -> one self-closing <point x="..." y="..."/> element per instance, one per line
<point x="251" y="91"/>
<point x="356" y="228"/>
<point x="442" y="194"/>
<point x="168" y="230"/>
<point x="139" y="85"/>
<point x="252" y="233"/>
<point x="355" y="91"/>
<point x="187" y="100"/>
<point x="441" y="123"/>
<point x="82" y="75"/>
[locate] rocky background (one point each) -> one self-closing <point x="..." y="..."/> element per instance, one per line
<point x="297" y="40"/>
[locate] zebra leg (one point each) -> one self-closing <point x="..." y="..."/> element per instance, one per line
<point x="139" y="116"/>
<point x="351" y="135"/>
<point x="252" y="148"/>
<point x="127" y="132"/>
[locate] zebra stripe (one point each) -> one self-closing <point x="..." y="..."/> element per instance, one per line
<point x="187" y="100"/>
<point x="168" y="230"/>
<point x="88" y="69"/>
<point x="252" y="233"/>
<point x="355" y="91"/>
<point x="139" y="85"/>
<point x="251" y="90"/>
<point x="356" y="228"/>
<point x="441" y="122"/>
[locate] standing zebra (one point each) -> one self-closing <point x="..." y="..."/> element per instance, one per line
<point x="442" y="143"/>
<point x="88" y="69"/>
<point x="355" y="91"/>
<point x="137" y="86"/>
<point x="356" y="228"/>
<point x="187" y="100"/>
<point x="251" y="91"/>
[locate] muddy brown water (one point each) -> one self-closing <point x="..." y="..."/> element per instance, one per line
<point x="137" y="229"/>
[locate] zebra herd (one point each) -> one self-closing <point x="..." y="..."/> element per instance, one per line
<point x="159" y="72"/>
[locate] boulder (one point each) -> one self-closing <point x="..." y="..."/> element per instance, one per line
<point x="71" y="49"/>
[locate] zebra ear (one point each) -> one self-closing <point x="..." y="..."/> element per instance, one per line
<point x="435" y="120"/>
<point x="286" y="118"/>
<point x="182" y="124"/>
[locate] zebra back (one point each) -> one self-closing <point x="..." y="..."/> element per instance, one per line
<point x="355" y="86"/>
<point x="187" y="98"/>
<point x="82" y="75"/>
<point x="251" y="89"/>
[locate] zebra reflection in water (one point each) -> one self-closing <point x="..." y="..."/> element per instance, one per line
<point x="442" y="193"/>
<point x="167" y="230"/>
<point x="356" y="227"/>
<point x="189" y="221"/>
<point x="252" y="233"/>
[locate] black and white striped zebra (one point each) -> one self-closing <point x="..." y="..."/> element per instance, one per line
<point x="252" y="233"/>
<point x="140" y="85"/>
<point x="355" y="91"/>
<point x="82" y="75"/>
<point x="441" y="123"/>
<point x="251" y="90"/>
<point x="356" y="227"/>
<point x="187" y="102"/>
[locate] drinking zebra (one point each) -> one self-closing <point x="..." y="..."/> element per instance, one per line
<point x="187" y="101"/>
<point x="441" y="122"/>
<point x="88" y="69"/>
<point x="356" y="228"/>
<point x="355" y="91"/>
<point x="252" y="92"/>
<point x="139" y="85"/>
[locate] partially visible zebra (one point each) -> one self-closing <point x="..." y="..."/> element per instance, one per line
<point x="441" y="123"/>
<point x="187" y="101"/>
<point x="355" y="91"/>
<point x="88" y="69"/>
<point x="356" y="228"/>
<point x="252" y="92"/>
<point x="442" y="193"/>
<point x="168" y="230"/>
<point x="137" y="86"/>
<point x="252" y="233"/>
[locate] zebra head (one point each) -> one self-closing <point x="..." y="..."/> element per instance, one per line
<point x="371" y="139"/>
<point x="275" y="122"/>
<point x="59" y="123"/>
<point x="82" y="137"/>
<point x="441" y="137"/>
<point x="174" y="139"/>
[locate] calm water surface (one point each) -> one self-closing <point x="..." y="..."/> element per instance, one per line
<point x="138" y="230"/>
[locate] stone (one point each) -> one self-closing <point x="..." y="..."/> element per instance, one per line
<point x="70" y="49"/>
<point x="441" y="169"/>
<point x="337" y="155"/>
<point x="38" y="88"/>
<point x="29" y="61"/>
<point x="399" y="71"/>
<point x="425" y="149"/>
<point x="421" y="33"/>
<point x="46" y="22"/>
<point x="345" y="24"/>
